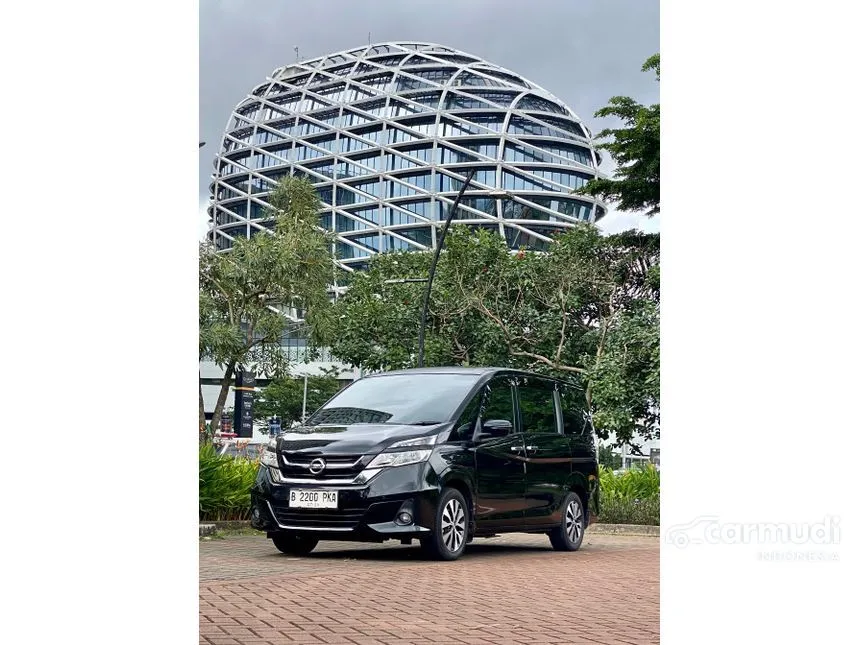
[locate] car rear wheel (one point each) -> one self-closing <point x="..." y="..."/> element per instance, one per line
<point x="293" y="544"/>
<point x="568" y="535"/>
<point x="448" y="540"/>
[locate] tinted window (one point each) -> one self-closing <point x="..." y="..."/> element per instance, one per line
<point x="498" y="402"/>
<point x="397" y="398"/>
<point x="573" y="408"/>
<point x="537" y="405"/>
<point x="464" y="429"/>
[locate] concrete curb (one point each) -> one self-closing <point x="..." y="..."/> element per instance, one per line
<point x="597" y="529"/>
<point x="624" y="529"/>
<point x="208" y="528"/>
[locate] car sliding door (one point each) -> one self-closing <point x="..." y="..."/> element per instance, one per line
<point x="547" y="452"/>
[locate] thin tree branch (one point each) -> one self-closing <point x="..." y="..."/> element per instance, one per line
<point x="545" y="360"/>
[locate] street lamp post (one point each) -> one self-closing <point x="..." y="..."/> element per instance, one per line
<point x="439" y="243"/>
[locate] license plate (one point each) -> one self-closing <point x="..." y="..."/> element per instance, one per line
<point x="313" y="498"/>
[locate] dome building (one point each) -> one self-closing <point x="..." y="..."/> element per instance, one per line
<point x="387" y="134"/>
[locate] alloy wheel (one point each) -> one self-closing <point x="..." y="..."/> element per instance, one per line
<point x="453" y="525"/>
<point x="573" y="521"/>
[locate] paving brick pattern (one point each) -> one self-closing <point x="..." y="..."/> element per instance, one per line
<point x="508" y="590"/>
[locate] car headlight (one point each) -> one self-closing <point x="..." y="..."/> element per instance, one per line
<point x="269" y="458"/>
<point x="395" y="455"/>
<point x="390" y="459"/>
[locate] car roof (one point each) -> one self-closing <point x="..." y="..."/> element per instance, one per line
<point x="476" y="371"/>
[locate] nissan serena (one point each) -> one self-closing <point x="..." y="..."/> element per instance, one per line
<point x="438" y="455"/>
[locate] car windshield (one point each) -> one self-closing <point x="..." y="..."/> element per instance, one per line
<point x="410" y="399"/>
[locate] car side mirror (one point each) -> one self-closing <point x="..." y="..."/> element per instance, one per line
<point x="494" y="428"/>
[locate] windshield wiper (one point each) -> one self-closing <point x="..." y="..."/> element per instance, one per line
<point x="425" y="423"/>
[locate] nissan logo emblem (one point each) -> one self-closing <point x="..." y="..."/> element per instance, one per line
<point x="317" y="466"/>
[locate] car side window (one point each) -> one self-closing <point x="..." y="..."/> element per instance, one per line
<point x="497" y="414"/>
<point x="573" y="410"/>
<point x="537" y="405"/>
<point x="464" y="429"/>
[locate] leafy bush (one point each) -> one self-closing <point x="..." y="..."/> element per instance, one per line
<point x="225" y="485"/>
<point x="633" y="497"/>
<point x="636" y="483"/>
<point x="617" y="510"/>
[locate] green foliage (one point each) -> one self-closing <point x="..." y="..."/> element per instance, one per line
<point x="284" y="397"/>
<point x="244" y="291"/>
<point x="635" y="483"/>
<point x="619" y="510"/>
<point x="607" y="458"/>
<point x="225" y="485"/>
<point x="628" y="374"/>
<point x="633" y="497"/>
<point x="587" y="310"/>
<point x="636" y="149"/>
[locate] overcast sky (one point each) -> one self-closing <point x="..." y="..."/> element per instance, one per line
<point x="583" y="51"/>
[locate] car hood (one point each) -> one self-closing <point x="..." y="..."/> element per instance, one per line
<point x="359" y="438"/>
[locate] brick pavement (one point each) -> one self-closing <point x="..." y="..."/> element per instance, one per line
<point x="507" y="590"/>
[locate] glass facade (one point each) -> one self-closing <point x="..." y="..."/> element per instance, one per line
<point x="387" y="134"/>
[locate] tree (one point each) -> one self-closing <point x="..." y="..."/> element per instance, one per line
<point x="606" y="457"/>
<point x="587" y="309"/>
<point x="284" y="397"/>
<point x="375" y="324"/>
<point x="636" y="149"/>
<point x="245" y="291"/>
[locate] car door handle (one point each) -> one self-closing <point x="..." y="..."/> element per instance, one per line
<point x="517" y="448"/>
<point x="531" y="448"/>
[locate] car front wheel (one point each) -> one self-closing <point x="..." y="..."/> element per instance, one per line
<point x="568" y="535"/>
<point x="293" y="544"/>
<point x="448" y="540"/>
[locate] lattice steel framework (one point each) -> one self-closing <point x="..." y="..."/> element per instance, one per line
<point x="387" y="134"/>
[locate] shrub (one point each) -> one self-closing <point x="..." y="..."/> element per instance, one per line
<point x="617" y="510"/>
<point x="636" y="483"/>
<point x="225" y="485"/>
<point x="633" y="497"/>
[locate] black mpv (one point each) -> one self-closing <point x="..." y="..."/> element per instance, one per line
<point x="442" y="455"/>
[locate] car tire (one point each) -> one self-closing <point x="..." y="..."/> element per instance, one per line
<point x="448" y="539"/>
<point x="292" y="544"/>
<point x="568" y="535"/>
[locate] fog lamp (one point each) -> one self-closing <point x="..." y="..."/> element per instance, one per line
<point x="404" y="518"/>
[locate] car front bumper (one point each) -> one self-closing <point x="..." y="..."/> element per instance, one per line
<point x="366" y="512"/>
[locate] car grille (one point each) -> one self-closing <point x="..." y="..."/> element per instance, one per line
<point x="302" y="444"/>
<point x="345" y="467"/>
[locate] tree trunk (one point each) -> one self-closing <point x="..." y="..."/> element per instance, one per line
<point x="202" y="409"/>
<point x="222" y="395"/>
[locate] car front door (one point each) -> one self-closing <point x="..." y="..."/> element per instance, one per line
<point x="499" y="459"/>
<point x="547" y="451"/>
